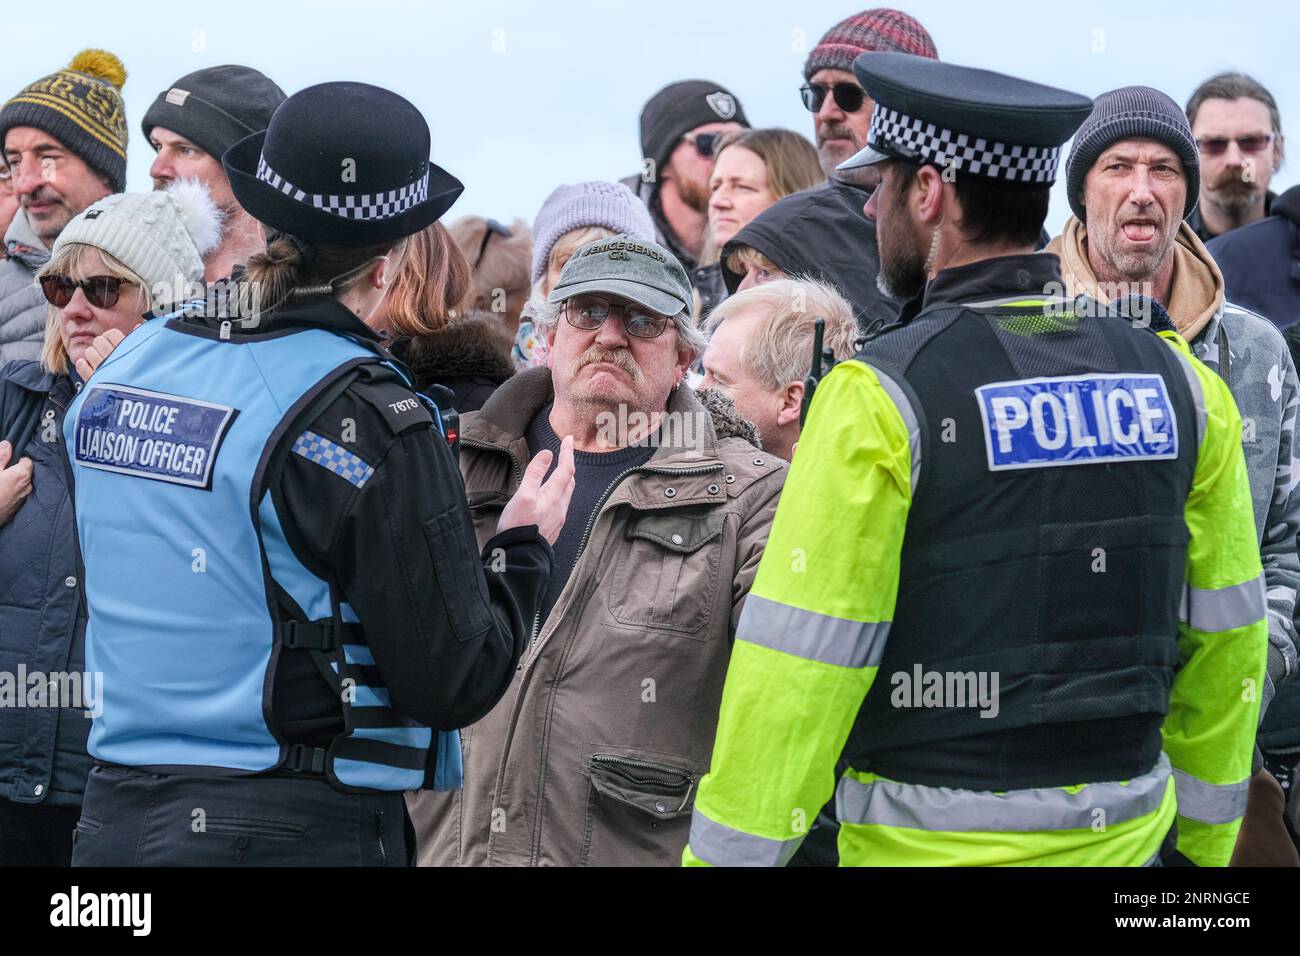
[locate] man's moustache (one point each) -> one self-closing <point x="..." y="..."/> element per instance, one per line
<point x="622" y="359"/>
<point x="40" y="195"/>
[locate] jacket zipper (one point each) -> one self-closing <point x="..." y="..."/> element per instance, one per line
<point x="619" y="764"/>
<point x="612" y="761"/>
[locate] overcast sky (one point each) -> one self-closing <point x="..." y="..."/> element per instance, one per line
<point x="522" y="96"/>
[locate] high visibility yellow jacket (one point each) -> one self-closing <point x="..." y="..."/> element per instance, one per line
<point x="832" y="566"/>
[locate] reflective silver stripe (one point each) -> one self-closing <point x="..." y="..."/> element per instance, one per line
<point x="1198" y="396"/>
<point x="816" y="637"/>
<point x="910" y="419"/>
<point x="1050" y="302"/>
<point x="1222" y="609"/>
<point x="720" y="845"/>
<point x="1208" y="802"/>
<point x="1013" y="811"/>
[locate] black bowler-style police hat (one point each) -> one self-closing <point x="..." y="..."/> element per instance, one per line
<point x="344" y="163"/>
<point x="984" y="124"/>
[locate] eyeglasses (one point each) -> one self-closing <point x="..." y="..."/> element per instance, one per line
<point x="704" y="143"/>
<point x="589" y="312"/>
<point x="493" y="228"/>
<point x="848" y="96"/>
<point x="100" y="291"/>
<point x="1218" y="145"/>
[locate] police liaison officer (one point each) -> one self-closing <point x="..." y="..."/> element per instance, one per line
<point x="285" y="596"/>
<point x="1029" y="594"/>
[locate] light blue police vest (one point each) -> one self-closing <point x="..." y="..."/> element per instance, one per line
<point x="170" y="441"/>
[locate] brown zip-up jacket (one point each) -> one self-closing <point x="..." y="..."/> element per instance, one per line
<point x="593" y="755"/>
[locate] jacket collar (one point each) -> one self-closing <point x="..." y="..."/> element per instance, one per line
<point x="323" y="312"/>
<point x="22" y="243"/>
<point x="997" y="278"/>
<point x="1196" y="296"/>
<point x="32" y="376"/>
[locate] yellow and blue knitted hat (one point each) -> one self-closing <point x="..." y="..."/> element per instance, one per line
<point x="80" y="106"/>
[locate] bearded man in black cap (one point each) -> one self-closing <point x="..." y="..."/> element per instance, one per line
<point x="991" y="507"/>
<point x="285" y="597"/>
<point x="680" y="125"/>
<point x="194" y="121"/>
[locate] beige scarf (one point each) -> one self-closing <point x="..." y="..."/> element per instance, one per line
<point x="1195" y="294"/>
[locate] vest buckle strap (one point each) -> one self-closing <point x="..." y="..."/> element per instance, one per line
<point x="304" y="759"/>
<point x="312" y="636"/>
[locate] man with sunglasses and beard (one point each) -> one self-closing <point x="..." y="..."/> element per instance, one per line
<point x="841" y="108"/>
<point x="592" y="756"/>
<point x="1238" y="132"/>
<point x="792" y="233"/>
<point x="680" y="126"/>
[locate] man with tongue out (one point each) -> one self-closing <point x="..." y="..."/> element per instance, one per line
<point x="1133" y="178"/>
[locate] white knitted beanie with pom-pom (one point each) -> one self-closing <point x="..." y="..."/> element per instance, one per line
<point x="161" y="236"/>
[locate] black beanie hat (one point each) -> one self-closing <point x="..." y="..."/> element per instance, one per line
<point x="216" y="107"/>
<point x="680" y="107"/>
<point x="1132" y="112"/>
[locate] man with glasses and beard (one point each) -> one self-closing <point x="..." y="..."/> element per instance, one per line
<point x="955" y="485"/>
<point x="593" y="755"/>
<point x="1238" y="133"/>
<point x="680" y="126"/>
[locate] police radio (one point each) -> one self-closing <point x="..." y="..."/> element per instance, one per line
<point x="823" y="360"/>
<point x="440" y="398"/>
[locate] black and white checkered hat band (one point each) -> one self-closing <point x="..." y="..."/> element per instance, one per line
<point x="896" y="132"/>
<point x="377" y="206"/>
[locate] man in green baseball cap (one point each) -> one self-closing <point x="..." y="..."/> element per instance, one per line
<point x="671" y="508"/>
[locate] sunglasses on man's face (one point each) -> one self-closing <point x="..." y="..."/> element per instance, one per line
<point x="589" y="312"/>
<point x="848" y="96"/>
<point x="100" y="291"/>
<point x="1218" y="145"/>
<point x="704" y="143"/>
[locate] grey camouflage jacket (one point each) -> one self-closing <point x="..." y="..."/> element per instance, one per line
<point x="1263" y="381"/>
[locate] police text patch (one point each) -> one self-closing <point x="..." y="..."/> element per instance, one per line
<point x="1077" y="420"/>
<point x="150" y="434"/>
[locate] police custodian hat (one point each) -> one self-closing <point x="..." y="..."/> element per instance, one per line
<point x="984" y="124"/>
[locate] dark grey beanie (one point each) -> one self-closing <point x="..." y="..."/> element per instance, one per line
<point x="1132" y="112"/>
<point x="216" y="107"/>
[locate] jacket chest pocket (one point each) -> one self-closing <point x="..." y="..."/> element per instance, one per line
<point x="666" y="572"/>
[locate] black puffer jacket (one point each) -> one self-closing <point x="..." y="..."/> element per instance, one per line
<point x="1261" y="263"/>
<point x="823" y="234"/>
<point x="470" y="356"/>
<point x="43" y="756"/>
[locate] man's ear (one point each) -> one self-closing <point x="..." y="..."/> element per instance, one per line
<point x="791" y="403"/>
<point x="929" y="195"/>
<point x="550" y="343"/>
<point x="685" y="359"/>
